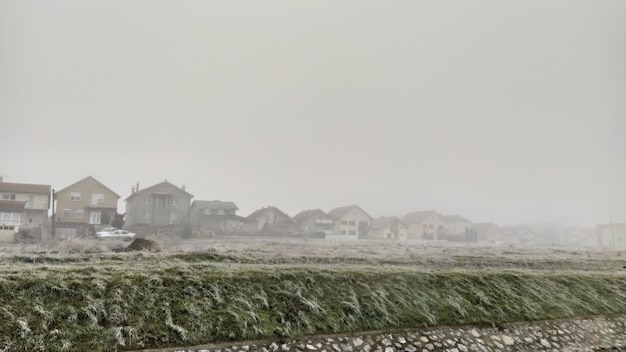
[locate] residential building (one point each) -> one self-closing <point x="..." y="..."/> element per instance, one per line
<point x="83" y="205"/>
<point x="350" y="220"/>
<point x="215" y="216"/>
<point x="427" y="225"/>
<point x="388" y="228"/>
<point x="314" y="221"/>
<point x="269" y="220"/>
<point x="521" y="235"/>
<point x="612" y="237"/>
<point x="37" y="203"/>
<point x="161" y="210"/>
<point x="12" y="215"/>
<point x="457" y="225"/>
<point x="489" y="232"/>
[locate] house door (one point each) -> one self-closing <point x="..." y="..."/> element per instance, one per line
<point x="94" y="217"/>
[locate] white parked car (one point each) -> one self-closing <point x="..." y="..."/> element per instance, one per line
<point x="118" y="234"/>
<point x="106" y="231"/>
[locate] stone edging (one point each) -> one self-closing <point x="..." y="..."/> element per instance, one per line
<point x="584" y="334"/>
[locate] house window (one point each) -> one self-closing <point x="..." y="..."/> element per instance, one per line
<point x="10" y="217"/>
<point x="352" y="233"/>
<point x="207" y="211"/>
<point x="7" y="196"/>
<point x="79" y="213"/>
<point x="220" y="212"/>
<point x="146" y="215"/>
<point x="146" y="200"/>
<point x="66" y="213"/>
<point x="343" y="222"/>
<point x="75" y="196"/>
<point x="343" y="232"/>
<point x="173" y="201"/>
<point x="351" y="223"/>
<point x="173" y="216"/>
<point x="98" y="197"/>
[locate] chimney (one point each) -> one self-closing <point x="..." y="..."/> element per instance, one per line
<point x="137" y="187"/>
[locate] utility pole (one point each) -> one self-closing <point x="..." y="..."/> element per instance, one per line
<point x="52" y="203"/>
<point x="608" y="204"/>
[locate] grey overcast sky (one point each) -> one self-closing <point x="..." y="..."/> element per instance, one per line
<point x="503" y="111"/>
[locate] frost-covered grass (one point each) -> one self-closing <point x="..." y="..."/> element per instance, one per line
<point x="207" y="291"/>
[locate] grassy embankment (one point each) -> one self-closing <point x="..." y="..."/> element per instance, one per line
<point x="104" y="302"/>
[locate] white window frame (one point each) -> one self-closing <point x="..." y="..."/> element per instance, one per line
<point x="80" y="213"/>
<point x="8" y="196"/>
<point x="75" y="196"/>
<point x="147" y="200"/>
<point x="67" y="213"/>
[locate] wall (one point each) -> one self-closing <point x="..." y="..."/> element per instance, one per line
<point x="586" y="334"/>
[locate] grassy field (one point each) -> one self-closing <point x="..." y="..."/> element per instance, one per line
<point x="79" y="295"/>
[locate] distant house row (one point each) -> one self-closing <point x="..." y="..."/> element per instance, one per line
<point x="165" y="209"/>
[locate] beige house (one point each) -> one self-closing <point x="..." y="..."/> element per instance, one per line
<point x="83" y="205"/>
<point x="427" y="225"/>
<point x="388" y="228"/>
<point x="36" y="198"/>
<point x="314" y="221"/>
<point x="216" y="216"/>
<point x="269" y="220"/>
<point x="350" y="221"/>
<point x="161" y="209"/>
<point x="456" y="224"/>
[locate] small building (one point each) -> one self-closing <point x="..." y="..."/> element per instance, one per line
<point x="457" y="225"/>
<point x="215" y="216"/>
<point x="12" y="216"/>
<point x="515" y="235"/>
<point x="388" y="228"/>
<point x="37" y="198"/>
<point x="489" y="232"/>
<point x="161" y="209"/>
<point x="269" y="221"/>
<point x="351" y="221"/>
<point x="612" y="236"/>
<point x="426" y="225"/>
<point x="314" y="221"/>
<point x="83" y="205"/>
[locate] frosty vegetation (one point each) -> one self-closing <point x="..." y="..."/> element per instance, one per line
<point x="82" y="295"/>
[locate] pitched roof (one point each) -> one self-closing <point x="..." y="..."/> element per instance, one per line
<point x="417" y="217"/>
<point x="384" y="221"/>
<point x="24" y="187"/>
<point x="252" y="217"/>
<point x="12" y="205"/>
<point x="306" y="214"/>
<point x="213" y="204"/>
<point x="150" y="189"/>
<point x="88" y="178"/>
<point x="338" y="213"/>
<point x="454" y="218"/>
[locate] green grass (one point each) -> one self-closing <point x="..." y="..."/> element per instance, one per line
<point x="108" y="302"/>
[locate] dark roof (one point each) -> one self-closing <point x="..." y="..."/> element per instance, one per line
<point x="85" y="179"/>
<point x="252" y="217"/>
<point x="384" y="221"/>
<point x="338" y="213"/>
<point x="454" y="218"/>
<point x="417" y="217"/>
<point x="12" y="205"/>
<point x="149" y="190"/>
<point x="307" y="214"/>
<point x="213" y="204"/>
<point x="24" y="187"/>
